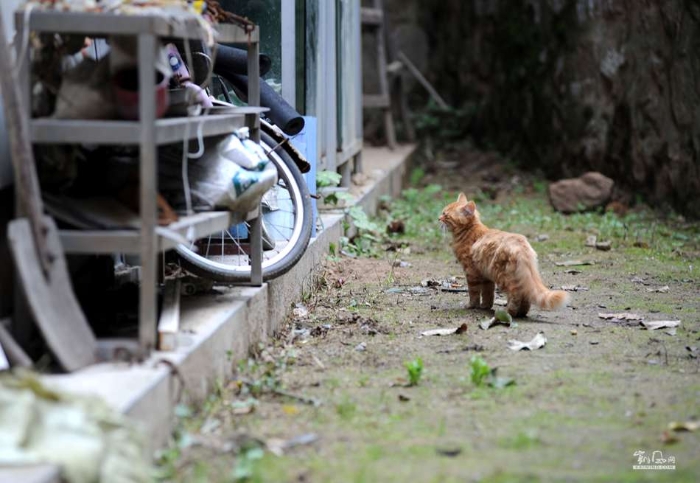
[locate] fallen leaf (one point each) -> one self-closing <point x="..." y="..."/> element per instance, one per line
<point x="603" y="246"/>
<point x="318" y="362"/>
<point x="400" y="382"/>
<point x="244" y="407"/>
<point x="641" y="244"/>
<point x="542" y="237"/>
<point x="396" y="226"/>
<point x="474" y="347"/>
<point x="300" y="311"/>
<point x="594" y="342"/>
<point x="537" y="342"/>
<point x="572" y="271"/>
<point x="573" y="263"/>
<point x="621" y="316"/>
<point x="278" y="446"/>
<point x="663" y="289"/>
<point x="591" y="241"/>
<point x="210" y="425"/>
<point x="574" y="288"/>
<point x="500" y="382"/>
<point x="497" y="382"/>
<point x="361" y="347"/>
<point x="290" y="410"/>
<point x="500" y="317"/>
<point x="686" y="426"/>
<point x="574" y="332"/>
<point x="660" y="324"/>
<point x="669" y="438"/>
<point x="503" y="316"/>
<point x="403" y="398"/>
<point x="452" y="331"/>
<point x="449" y="452"/>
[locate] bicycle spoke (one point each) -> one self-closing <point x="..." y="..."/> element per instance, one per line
<point x="238" y="245"/>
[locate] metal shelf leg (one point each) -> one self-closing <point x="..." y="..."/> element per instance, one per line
<point x="148" y="189"/>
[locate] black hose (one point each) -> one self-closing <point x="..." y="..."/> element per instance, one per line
<point x="235" y="61"/>
<point x="281" y="113"/>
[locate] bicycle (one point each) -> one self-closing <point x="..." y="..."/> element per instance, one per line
<point x="287" y="219"/>
<point x="286" y="208"/>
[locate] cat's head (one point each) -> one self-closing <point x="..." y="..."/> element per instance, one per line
<point x="461" y="213"/>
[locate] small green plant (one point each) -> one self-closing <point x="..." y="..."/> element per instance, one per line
<point x="417" y="176"/>
<point x="326" y="179"/>
<point x="363" y="380"/>
<point x="483" y="375"/>
<point x="333" y="253"/>
<point x="415" y="371"/>
<point x="246" y="463"/>
<point x="480" y="370"/>
<point x="346" y="409"/>
<point x="370" y="234"/>
<point x="262" y="374"/>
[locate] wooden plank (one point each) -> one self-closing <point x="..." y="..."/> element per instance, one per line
<point x="52" y="302"/>
<point x="372" y="16"/>
<point x="169" y="322"/>
<point x="424" y="82"/>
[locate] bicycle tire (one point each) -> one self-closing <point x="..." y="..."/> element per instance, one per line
<point x="281" y="263"/>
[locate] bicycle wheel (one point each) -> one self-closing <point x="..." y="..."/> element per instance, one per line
<point x="287" y="222"/>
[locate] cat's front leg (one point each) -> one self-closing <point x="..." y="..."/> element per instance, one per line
<point x="487" y="293"/>
<point x="474" y="285"/>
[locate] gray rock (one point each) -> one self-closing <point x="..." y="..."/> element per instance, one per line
<point x="592" y="190"/>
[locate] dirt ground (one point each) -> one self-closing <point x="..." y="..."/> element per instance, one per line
<point x="331" y="393"/>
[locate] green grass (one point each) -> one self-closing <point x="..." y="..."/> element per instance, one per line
<point x="576" y="414"/>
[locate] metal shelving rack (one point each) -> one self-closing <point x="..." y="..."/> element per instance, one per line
<point x="148" y="133"/>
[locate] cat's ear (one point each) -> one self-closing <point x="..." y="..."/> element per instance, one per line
<point x="470" y="209"/>
<point x="462" y="198"/>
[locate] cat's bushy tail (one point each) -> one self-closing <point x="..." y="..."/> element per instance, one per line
<point x="538" y="293"/>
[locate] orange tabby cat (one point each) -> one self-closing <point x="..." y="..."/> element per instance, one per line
<point x="493" y="257"/>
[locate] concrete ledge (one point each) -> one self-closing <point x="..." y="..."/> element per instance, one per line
<point x="218" y="329"/>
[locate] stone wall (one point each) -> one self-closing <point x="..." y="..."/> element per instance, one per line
<point x="574" y="85"/>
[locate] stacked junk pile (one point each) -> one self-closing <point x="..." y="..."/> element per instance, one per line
<point x="92" y="78"/>
<point x="214" y="152"/>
